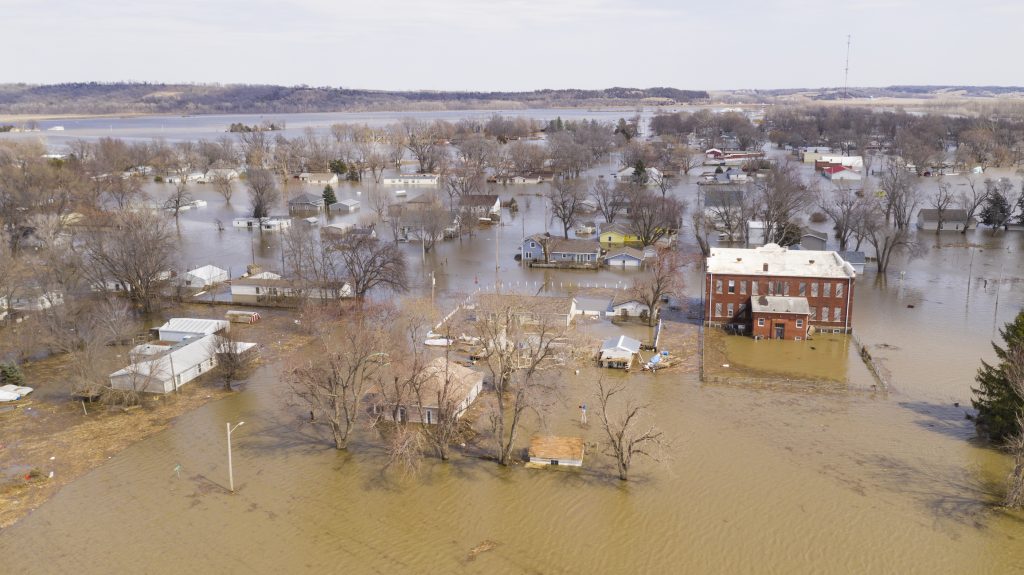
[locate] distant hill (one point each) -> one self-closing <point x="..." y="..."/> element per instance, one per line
<point x="918" y="92"/>
<point x="123" y="98"/>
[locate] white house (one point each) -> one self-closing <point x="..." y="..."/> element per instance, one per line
<point x="618" y="352"/>
<point x="275" y="223"/>
<point x="276" y="291"/>
<point x="442" y="381"/>
<point x="205" y="276"/>
<point x="952" y="220"/>
<point x="248" y="223"/>
<point x="840" y="173"/>
<point x="592" y="306"/>
<point x="851" y="162"/>
<point x="411" y="180"/>
<point x="626" y="308"/>
<point x="653" y="174"/>
<point x="37" y="301"/>
<point x="214" y="174"/>
<point x="163" y="369"/>
<point x="319" y="178"/>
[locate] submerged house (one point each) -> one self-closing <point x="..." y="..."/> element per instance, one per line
<point x="276" y="291"/>
<point x="951" y="220"/>
<point x="618" y="352"/>
<point x="547" y="249"/>
<point x="205" y="276"/>
<point x="446" y="389"/>
<point x="305" y="203"/>
<point x="552" y="450"/>
<point x="184" y="328"/>
<point x="411" y="180"/>
<point x="165" y="366"/>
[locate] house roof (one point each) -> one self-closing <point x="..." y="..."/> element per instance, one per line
<point x="178" y="358"/>
<point x="616" y="228"/>
<point x="952" y="215"/>
<point x="601" y="304"/>
<point x="319" y="175"/>
<point x="853" y="257"/>
<point x="621" y="343"/>
<point x="833" y="170"/>
<point x="779" y="304"/>
<point x="567" y="246"/>
<point x="194" y="325"/>
<point x="553" y="305"/>
<point x="478" y="200"/>
<point x="814" y="234"/>
<point x="208" y="272"/>
<point x="625" y="251"/>
<point x="460" y="381"/>
<point x="347" y="203"/>
<point x="306" y="198"/>
<point x="780" y="262"/>
<point x="718" y="197"/>
<point x="424" y="198"/>
<point x="553" y="447"/>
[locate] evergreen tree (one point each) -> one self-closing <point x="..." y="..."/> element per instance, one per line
<point x="640" y="172"/>
<point x="997" y="402"/>
<point x="337" y="166"/>
<point x="997" y="210"/>
<point x="11" y="374"/>
<point x="329" y="197"/>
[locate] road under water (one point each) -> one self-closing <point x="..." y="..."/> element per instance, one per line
<point x="838" y="477"/>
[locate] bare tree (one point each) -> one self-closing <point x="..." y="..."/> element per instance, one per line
<point x="941" y="201"/>
<point x="653" y="218"/>
<point x="661" y="279"/>
<point x="263" y="192"/>
<point x="970" y="201"/>
<point x="223" y="186"/>
<point x="779" y="197"/>
<point x="180" y="198"/>
<point x="885" y="238"/>
<point x="566" y="197"/>
<point x="521" y="340"/>
<point x="846" y="210"/>
<point x="232" y="361"/>
<point x="611" y="200"/>
<point x="370" y="264"/>
<point x="901" y="197"/>
<point x="352" y="354"/>
<point x="628" y="436"/>
<point x="139" y="254"/>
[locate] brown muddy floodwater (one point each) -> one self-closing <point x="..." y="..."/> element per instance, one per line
<point x="825" y="474"/>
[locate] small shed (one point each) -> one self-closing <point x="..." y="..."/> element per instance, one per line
<point x="205" y="276"/>
<point x="182" y="328"/>
<point x="623" y="257"/>
<point x="242" y="316"/>
<point x="554" y="450"/>
<point x="618" y="352"/>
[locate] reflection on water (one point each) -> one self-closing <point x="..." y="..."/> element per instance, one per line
<point x="829" y="479"/>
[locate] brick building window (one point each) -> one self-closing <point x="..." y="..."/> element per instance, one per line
<point x="836" y="314"/>
<point x="824" y="313"/>
<point x="814" y="289"/>
<point x="785" y="289"/>
<point x="803" y="289"/>
<point x="839" y="290"/>
<point x="826" y="289"/>
<point x="743" y="287"/>
<point x="732" y="286"/>
<point x="799" y="323"/>
<point x="814" y="312"/>
<point x="753" y="287"/>
<point x="718" y="310"/>
<point x="729" y="310"/>
<point x="777" y="287"/>
<point x="760" y="322"/>
<point x="718" y="286"/>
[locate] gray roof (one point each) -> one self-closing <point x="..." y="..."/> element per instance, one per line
<point x="558" y="245"/>
<point x="621" y="343"/>
<point x="779" y="304"/>
<point x="306" y="198"/>
<point x="853" y="257"/>
<point x="593" y="303"/>
<point x="627" y="251"/>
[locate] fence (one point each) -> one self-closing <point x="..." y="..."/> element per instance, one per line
<point x="877" y="371"/>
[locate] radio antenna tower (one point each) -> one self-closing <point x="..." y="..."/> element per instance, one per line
<point x="846" y="71"/>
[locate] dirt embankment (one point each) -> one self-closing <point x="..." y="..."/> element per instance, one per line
<point x="52" y="433"/>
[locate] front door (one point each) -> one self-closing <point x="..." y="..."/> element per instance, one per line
<point x="780" y="331"/>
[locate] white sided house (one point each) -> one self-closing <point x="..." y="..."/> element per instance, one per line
<point x="205" y="276"/>
<point x="411" y="180"/>
<point x="165" y="368"/>
<point x="855" y="163"/>
<point x="627" y="308"/>
<point x="179" y="329"/>
<point x="618" y="352"/>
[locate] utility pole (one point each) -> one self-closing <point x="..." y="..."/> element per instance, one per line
<point x="231" y="471"/>
<point x="846" y="71"/>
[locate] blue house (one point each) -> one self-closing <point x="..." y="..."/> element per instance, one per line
<point x="547" y="249"/>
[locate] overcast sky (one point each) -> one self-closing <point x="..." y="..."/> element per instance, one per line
<point x="514" y="44"/>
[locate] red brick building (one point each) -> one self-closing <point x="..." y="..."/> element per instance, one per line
<point x="777" y="293"/>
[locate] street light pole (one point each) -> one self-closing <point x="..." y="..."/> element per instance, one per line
<point x="231" y="472"/>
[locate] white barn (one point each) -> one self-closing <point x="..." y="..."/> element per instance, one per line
<point x="205" y="276"/>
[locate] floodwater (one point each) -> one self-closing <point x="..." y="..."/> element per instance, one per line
<point x="780" y="478"/>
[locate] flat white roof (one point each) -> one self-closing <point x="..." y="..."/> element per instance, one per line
<point x="781" y="262"/>
<point x="779" y="304"/>
<point x="194" y="325"/>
